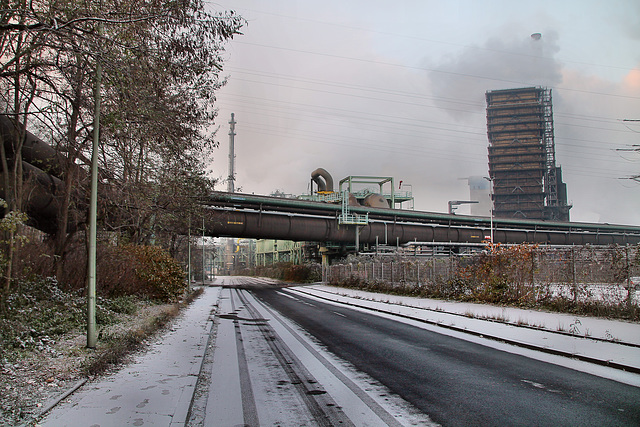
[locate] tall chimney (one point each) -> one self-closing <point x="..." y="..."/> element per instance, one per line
<point x="232" y="156"/>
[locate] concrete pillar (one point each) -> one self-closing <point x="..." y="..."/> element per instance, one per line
<point x="325" y="263"/>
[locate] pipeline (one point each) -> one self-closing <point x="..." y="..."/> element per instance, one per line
<point x="42" y="174"/>
<point x="34" y="151"/>
<point x="247" y="215"/>
<point x="327" y="184"/>
<point x="297" y="206"/>
<point x="315" y="228"/>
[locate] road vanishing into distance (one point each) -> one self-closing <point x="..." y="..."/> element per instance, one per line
<point x="455" y="382"/>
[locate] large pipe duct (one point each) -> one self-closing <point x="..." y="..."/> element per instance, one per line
<point x="34" y="150"/>
<point x="270" y="225"/>
<point x="293" y="219"/>
<point x="42" y="170"/>
<point x="327" y="184"/>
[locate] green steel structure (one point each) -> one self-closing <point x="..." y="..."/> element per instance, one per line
<point x="269" y="252"/>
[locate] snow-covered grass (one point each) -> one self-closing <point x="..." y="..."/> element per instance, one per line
<point x="599" y="341"/>
<point x="607" y="329"/>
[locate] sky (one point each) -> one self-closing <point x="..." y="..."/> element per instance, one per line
<point x="397" y="88"/>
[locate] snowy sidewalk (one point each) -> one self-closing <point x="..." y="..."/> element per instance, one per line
<point x="157" y="388"/>
<point x="606" y="342"/>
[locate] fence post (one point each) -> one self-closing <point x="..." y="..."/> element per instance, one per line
<point x="432" y="267"/>
<point x="627" y="267"/>
<point x="391" y="272"/>
<point x="628" y="271"/>
<point x="573" y="273"/>
<point x="534" y="253"/>
<point x="404" y="272"/>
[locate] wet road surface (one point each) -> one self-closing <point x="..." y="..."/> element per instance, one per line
<point x="457" y="382"/>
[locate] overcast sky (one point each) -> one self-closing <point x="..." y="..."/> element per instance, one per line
<point x="397" y="88"/>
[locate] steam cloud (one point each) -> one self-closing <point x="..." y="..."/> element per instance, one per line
<point x="499" y="64"/>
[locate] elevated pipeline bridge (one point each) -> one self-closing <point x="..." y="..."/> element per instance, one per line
<point x="264" y="217"/>
<point x="251" y="216"/>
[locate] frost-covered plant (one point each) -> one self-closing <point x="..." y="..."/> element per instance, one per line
<point x="39" y="311"/>
<point x="574" y="328"/>
<point x="501" y="274"/>
<point x="161" y="276"/>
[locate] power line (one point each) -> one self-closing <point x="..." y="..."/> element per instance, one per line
<point x="433" y="70"/>
<point x="591" y="119"/>
<point x="424" y="39"/>
<point x="375" y="119"/>
<point x="394" y="145"/>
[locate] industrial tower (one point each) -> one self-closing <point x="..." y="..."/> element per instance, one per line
<point x="522" y="164"/>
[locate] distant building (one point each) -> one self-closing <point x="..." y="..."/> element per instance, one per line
<point x="522" y="165"/>
<point x="479" y="191"/>
<point x="234" y="255"/>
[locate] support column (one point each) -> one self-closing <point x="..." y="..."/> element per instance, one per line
<point x="325" y="263"/>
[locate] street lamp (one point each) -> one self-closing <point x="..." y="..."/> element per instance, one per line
<point x="491" y="209"/>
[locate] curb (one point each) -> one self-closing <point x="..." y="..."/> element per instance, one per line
<point x="55" y="401"/>
<point x="525" y="326"/>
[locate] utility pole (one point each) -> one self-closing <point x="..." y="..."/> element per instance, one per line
<point x="490" y="179"/>
<point x="202" y="251"/>
<point x="189" y="256"/>
<point x="93" y="211"/>
<point x="230" y="188"/>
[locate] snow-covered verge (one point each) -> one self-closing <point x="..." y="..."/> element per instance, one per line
<point x="34" y="379"/>
<point x="609" y="343"/>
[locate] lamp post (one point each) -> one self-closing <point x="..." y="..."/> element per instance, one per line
<point x="491" y="209"/>
<point x="202" y="251"/>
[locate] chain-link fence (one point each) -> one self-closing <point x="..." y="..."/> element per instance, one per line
<point x="524" y="273"/>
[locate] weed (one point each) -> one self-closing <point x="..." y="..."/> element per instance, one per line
<point x="574" y="328"/>
<point x="609" y="337"/>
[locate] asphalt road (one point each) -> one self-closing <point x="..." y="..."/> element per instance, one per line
<point x="456" y="382"/>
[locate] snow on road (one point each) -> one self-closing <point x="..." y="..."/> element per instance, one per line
<point x="266" y="371"/>
<point x="594" y="327"/>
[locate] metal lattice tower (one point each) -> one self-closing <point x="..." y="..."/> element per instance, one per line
<point x="522" y="164"/>
<point x="551" y="187"/>
<point x="232" y="157"/>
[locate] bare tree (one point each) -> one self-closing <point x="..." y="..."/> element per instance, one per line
<point x="161" y="63"/>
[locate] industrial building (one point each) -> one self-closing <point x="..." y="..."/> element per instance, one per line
<point x="522" y="164"/>
<point x="479" y="191"/>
